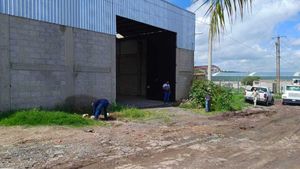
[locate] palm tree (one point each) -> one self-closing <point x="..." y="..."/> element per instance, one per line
<point x="216" y="11"/>
<point x="219" y="8"/>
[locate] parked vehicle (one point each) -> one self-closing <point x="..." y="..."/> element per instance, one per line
<point x="291" y="94"/>
<point x="296" y="81"/>
<point x="265" y="95"/>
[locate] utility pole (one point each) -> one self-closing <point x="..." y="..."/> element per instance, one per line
<point x="277" y="44"/>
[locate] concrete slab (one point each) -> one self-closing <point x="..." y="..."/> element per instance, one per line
<point x="139" y="102"/>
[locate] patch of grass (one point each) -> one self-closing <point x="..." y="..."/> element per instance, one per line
<point x="135" y="114"/>
<point x="114" y="107"/>
<point x="201" y="111"/>
<point x="196" y="108"/>
<point x="189" y="104"/>
<point x="238" y="101"/>
<point x="277" y="96"/>
<point x="37" y="117"/>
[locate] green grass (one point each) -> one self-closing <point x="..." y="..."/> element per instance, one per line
<point x="135" y="114"/>
<point x="201" y="111"/>
<point x="114" y="107"/>
<point x="238" y="101"/>
<point x="277" y="96"/>
<point x="192" y="106"/>
<point x="189" y="105"/>
<point x="37" y="117"/>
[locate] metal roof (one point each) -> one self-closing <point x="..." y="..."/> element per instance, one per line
<point x="100" y="15"/>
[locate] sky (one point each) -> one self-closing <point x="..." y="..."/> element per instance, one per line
<point x="249" y="45"/>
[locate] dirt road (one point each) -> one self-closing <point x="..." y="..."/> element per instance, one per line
<point x="261" y="138"/>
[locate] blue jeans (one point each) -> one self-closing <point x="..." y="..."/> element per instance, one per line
<point x="167" y="96"/>
<point x="99" y="109"/>
<point x="207" y="105"/>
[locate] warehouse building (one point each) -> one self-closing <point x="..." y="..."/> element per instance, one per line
<point x="57" y="52"/>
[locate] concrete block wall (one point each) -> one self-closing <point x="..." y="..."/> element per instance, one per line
<point x="46" y="65"/>
<point x="37" y="59"/>
<point x="4" y="64"/>
<point x="94" y="60"/>
<point x="184" y="72"/>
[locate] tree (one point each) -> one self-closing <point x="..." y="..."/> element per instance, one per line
<point x="219" y="8"/>
<point x="249" y="80"/>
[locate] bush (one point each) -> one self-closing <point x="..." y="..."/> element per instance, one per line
<point x="249" y="80"/>
<point x="222" y="97"/>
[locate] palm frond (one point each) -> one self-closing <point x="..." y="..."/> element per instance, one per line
<point x="217" y="10"/>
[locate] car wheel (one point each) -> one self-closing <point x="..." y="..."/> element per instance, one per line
<point x="267" y="102"/>
<point x="272" y="101"/>
<point x="283" y="103"/>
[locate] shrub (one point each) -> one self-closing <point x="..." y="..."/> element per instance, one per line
<point x="221" y="97"/>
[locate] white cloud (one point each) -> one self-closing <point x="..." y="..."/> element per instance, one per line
<point x="297" y="53"/>
<point x="295" y="42"/>
<point x="248" y="45"/>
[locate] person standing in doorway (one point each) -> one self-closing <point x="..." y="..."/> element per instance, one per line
<point x="255" y="95"/>
<point x="167" y="91"/>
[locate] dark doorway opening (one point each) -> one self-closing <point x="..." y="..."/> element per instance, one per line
<point x="146" y="58"/>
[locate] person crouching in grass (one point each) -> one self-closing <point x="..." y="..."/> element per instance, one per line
<point x="100" y="106"/>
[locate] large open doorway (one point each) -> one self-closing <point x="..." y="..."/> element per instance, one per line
<point x="146" y="58"/>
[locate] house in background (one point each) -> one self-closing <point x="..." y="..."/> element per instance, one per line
<point x="200" y="72"/>
<point x="214" y="69"/>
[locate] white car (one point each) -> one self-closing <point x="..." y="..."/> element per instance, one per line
<point x="265" y="95"/>
<point x="296" y="81"/>
<point x="291" y="94"/>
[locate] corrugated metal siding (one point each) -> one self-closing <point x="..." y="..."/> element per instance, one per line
<point x="95" y="15"/>
<point x="100" y="15"/>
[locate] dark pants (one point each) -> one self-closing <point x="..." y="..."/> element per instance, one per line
<point x="167" y="96"/>
<point x="101" y="108"/>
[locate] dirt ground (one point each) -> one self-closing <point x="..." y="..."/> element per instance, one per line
<point x="260" y="138"/>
